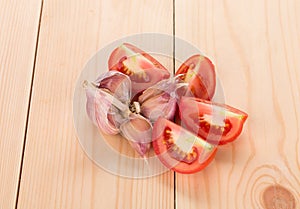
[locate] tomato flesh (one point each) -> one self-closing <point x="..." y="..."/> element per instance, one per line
<point x="179" y="149"/>
<point x="142" y="69"/>
<point x="217" y="123"/>
<point x="199" y="72"/>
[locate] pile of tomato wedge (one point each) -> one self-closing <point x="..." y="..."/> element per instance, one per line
<point x="143" y="101"/>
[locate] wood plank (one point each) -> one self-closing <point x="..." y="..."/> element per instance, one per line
<point x="56" y="172"/>
<point x="19" y="25"/>
<point x="255" y="45"/>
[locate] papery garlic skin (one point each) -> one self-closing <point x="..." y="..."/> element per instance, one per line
<point x="117" y="83"/>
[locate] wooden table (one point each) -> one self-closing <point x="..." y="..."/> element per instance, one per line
<point x="44" y="45"/>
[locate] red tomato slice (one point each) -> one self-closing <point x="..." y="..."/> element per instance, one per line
<point x="200" y="73"/>
<point x="217" y="123"/>
<point x="143" y="70"/>
<point x="179" y="149"/>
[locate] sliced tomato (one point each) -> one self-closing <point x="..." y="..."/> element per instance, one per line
<point x="200" y="73"/>
<point x="217" y="123"/>
<point x="179" y="149"/>
<point x="143" y="70"/>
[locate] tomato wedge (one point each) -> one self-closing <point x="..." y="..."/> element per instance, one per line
<point x="217" y="123"/>
<point x="179" y="149"/>
<point x="142" y="69"/>
<point x="199" y="72"/>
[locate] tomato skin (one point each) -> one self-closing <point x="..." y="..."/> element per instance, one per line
<point x="193" y="111"/>
<point x="163" y="153"/>
<point x="143" y="70"/>
<point x="200" y="73"/>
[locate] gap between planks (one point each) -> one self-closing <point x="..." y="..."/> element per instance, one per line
<point x="29" y="104"/>
<point x="174" y="70"/>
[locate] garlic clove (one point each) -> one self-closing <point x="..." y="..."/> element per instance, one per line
<point x="160" y="100"/>
<point x="138" y="131"/>
<point x="162" y="105"/>
<point x="104" y="110"/>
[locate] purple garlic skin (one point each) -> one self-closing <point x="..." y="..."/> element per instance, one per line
<point x="117" y="83"/>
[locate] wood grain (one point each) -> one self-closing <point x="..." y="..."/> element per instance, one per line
<point x="255" y="45"/>
<point x="19" y="25"/>
<point x="56" y="172"/>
